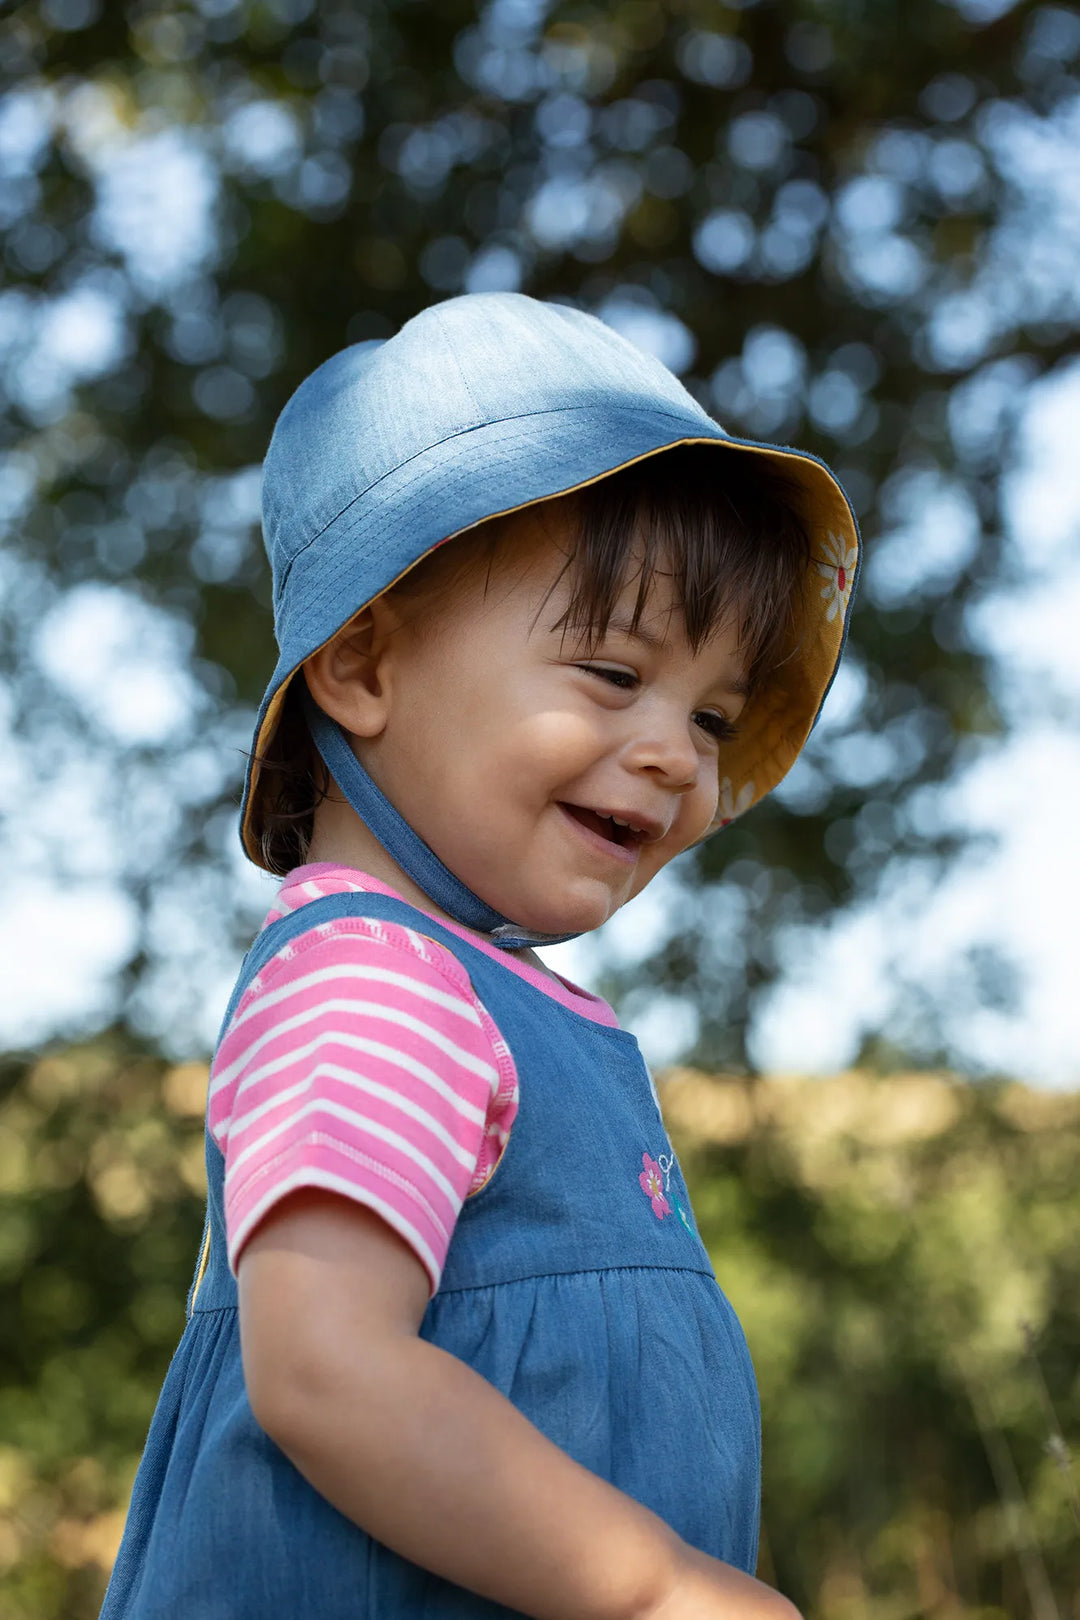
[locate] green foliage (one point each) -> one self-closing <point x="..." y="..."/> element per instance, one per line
<point x="901" y="1254"/>
<point x="102" y="1192"/>
<point x="891" y="1245"/>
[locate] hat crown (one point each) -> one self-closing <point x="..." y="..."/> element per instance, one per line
<point x="465" y="363"/>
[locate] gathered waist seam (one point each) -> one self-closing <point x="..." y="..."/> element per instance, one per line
<point x="531" y="1276"/>
<point x="577" y="1271"/>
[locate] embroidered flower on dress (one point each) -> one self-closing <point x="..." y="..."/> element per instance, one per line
<point x="730" y="807"/>
<point x="652" y="1185"/>
<point x="839" y="571"/>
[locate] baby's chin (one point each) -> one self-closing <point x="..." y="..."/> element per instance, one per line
<point x="578" y="911"/>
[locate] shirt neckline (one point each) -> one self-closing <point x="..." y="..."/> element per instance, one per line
<point x="559" y="989"/>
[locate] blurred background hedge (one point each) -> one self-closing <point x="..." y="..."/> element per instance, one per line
<point x="902" y="1252"/>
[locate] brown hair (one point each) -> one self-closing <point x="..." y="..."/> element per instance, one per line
<point x="733" y="545"/>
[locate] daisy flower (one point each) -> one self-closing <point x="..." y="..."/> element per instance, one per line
<point x="731" y="807"/>
<point x="839" y="571"/>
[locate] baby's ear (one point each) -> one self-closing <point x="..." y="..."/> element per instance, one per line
<point x="345" y="676"/>
<point x="354" y="640"/>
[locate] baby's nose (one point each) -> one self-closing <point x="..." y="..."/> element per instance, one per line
<point x="669" y="753"/>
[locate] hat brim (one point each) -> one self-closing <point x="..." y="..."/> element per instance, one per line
<point x="503" y="467"/>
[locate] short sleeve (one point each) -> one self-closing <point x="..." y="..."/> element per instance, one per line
<point x="360" y="1060"/>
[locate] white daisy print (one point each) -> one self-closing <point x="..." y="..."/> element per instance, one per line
<point x="731" y="807"/>
<point x="840" y="572"/>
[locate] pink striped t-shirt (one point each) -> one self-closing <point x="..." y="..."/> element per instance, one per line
<point x="359" y="1059"/>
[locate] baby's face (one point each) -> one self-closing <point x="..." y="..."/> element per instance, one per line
<point x="515" y="755"/>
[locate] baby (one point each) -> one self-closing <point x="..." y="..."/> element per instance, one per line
<point x="454" y="1347"/>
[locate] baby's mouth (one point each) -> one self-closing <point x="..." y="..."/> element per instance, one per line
<point x="613" y="831"/>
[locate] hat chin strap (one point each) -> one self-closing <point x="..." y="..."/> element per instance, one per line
<point x="417" y="859"/>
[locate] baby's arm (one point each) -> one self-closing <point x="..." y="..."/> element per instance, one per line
<point x="427" y="1456"/>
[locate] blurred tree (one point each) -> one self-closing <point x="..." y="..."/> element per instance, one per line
<point x="845" y="225"/>
<point x="102" y="1194"/>
<point x="884" y="1242"/>
<point x="893" y="1249"/>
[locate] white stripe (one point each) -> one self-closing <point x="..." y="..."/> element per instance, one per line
<point x="370" y="1009"/>
<point x="356" y="970"/>
<point x="312" y="889"/>
<point x="373" y="1048"/>
<point x="222" y="1129"/>
<point x="360" y="1082"/>
<point x="348" y="1116"/>
<point x="333" y="1183"/>
<point x="426" y="947"/>
<point x="361" y="1043"/>
<point x="378" y="1049"/>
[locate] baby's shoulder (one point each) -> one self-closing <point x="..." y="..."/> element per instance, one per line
<point x="359" y="947"/>
<point x="353" y="978"/>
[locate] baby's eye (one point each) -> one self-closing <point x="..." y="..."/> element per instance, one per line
<point x="717" y="726"/>
<point x="623" y="678"/>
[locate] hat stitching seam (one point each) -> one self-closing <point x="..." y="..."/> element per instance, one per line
<point x="522" y="416"/>
<point x="448" y="340"/>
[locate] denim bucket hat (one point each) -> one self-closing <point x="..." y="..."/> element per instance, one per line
<point x="477" y="407"/>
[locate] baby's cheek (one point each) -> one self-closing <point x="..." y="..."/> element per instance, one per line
<point x="696" y="816"/>
<point x="558" y="744"/>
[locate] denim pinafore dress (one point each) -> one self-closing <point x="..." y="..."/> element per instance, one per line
<point x="575" y="1282"/>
